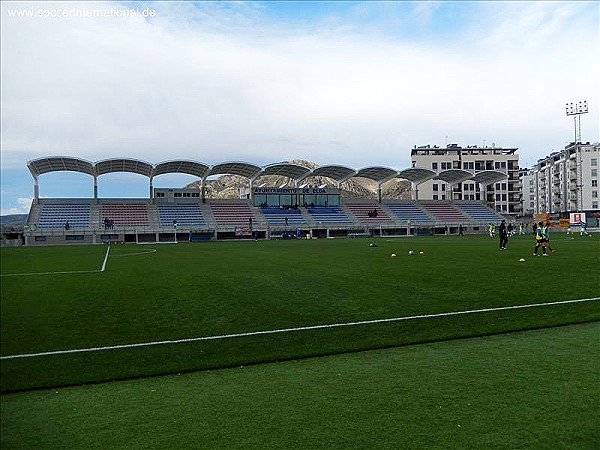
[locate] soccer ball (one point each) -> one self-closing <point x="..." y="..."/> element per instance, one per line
<point x="522" y="260"/>
<point x="421" y="253"/>
<point x="393" y="255"/>
<point x="410" y="252"/>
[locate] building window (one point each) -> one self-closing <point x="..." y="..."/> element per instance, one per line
<point x="594" y="183"/>
<point x="594" y="161"/>
<point x="435" y="197"/>
<point x="594" y="194"/>
<point x="594" y="172"/>
<point x="446" y="165"/>
<point x="443" y="187"/>
<point x="435" y="187"/>
<point x="433" y="166"/>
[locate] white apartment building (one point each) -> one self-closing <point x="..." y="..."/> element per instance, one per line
<point x="565" y="181"/>
<point x="503" y="196"/>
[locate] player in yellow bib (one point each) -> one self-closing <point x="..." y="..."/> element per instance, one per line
<point x="540" y="240"/>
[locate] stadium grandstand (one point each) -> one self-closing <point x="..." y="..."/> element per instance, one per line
<point x="263" y="212"/>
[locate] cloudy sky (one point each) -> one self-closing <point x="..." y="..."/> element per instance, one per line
<point x="352" y="83"/>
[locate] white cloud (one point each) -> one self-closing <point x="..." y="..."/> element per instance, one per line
<point x="24" y="204"/>
<point x="225" y="85"/>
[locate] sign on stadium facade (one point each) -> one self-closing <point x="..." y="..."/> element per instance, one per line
<point x="309" y="190"/>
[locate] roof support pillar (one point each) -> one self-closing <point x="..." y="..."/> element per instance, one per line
<point x="415" y="190"/>
<point x="95" y="188"/>
<point x="36" y="190"/>
<point x="151" y="190"/>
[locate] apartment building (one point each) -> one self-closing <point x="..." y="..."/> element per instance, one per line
<point x="565" y="181"/>
<point x="503" y="196"/>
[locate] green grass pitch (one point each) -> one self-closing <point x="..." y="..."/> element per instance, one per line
<point x="155" y="293"/>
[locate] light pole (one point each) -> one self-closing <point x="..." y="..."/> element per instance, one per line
<point x="576" y="110"/>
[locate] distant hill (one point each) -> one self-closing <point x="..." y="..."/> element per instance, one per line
<point x="228" y="186"/>
<point x="13" y="219"/>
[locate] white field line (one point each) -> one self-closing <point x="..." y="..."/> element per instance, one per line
<point x="102" y="268"/>
<point x="146" y="252"/>
<point x="105" y="259"/>
<point x="290" y="330"/>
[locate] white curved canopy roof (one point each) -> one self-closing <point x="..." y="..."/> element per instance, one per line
<point x="59" y="163"/>
<point x="416" y="174"/>
<point x="293" y="171"/>
<point x="189" y="167"/>
<point x="338" y="173"/>
<point x="377" y="173"/>
<point x="454" y="176"/>
<point x="489" y="177"/>
<point x="235" y="168"/>
<point x="124" y="165"/>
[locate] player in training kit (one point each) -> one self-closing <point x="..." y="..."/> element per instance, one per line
<point x="540" y="240"/>
<point x="546" y="231"/>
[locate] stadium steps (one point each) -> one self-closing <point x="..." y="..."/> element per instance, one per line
<point x="153" y="216"/>
<point x="361" y="208"/>
<point x="34" y="215"/>
<point x="95" y="215"/>
<point x="259" y="220"/>
<point x="209" y="218"/>
<point x="352" y="217"/>
<point x="308" y="218"/>
<point x="478" y="211"/>
<point x="445" y="212"/>
<point x="404" y="210"/>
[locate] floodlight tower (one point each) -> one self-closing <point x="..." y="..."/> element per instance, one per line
<point x="576" y="110"/>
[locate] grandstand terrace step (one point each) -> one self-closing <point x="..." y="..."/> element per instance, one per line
<point x="363" y="211"/>
<point x="232" y="212"/>
<point x="276" y="216"/>
<point x="408" y="210"/>
<point x="478" y="211"/>
<point x="186" y="215"/>
<point x="333" y="215"/>
<point x="56" y="215"/>
<point x="125" y="214"/>
<point x="444" y="212"/>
